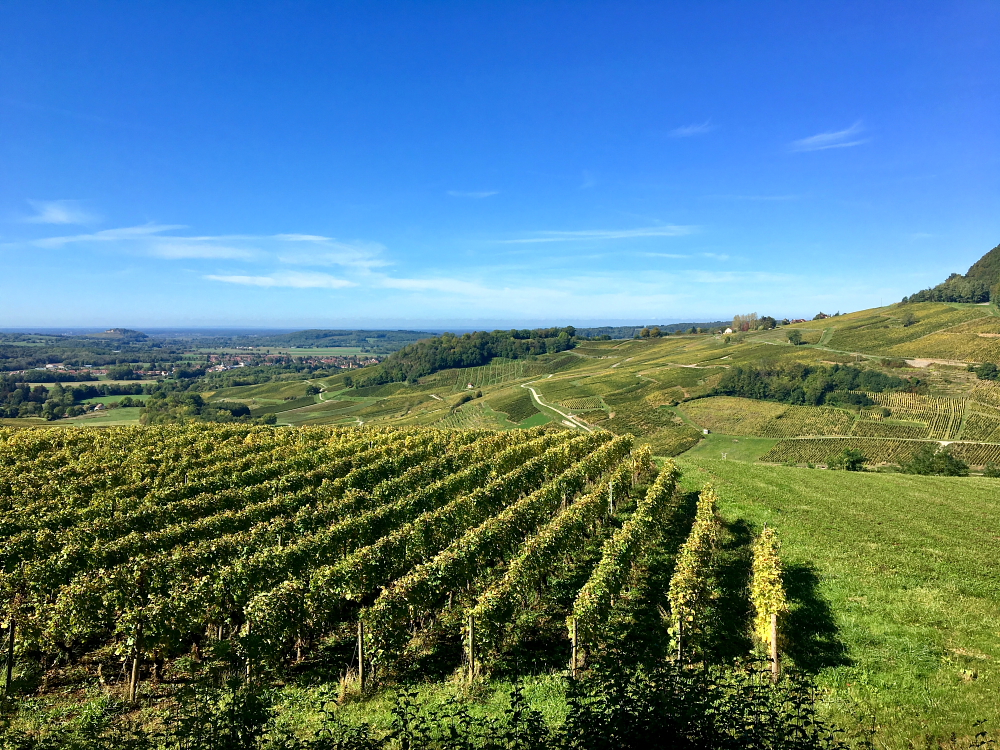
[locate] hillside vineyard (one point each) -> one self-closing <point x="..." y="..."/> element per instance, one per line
<point x="263" y="546"/>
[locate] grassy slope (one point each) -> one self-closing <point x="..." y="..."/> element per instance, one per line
<point x="898" y="587"/>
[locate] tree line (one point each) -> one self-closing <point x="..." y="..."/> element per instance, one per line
<point x="807" y="385"/>
<point x="468" y="350"/>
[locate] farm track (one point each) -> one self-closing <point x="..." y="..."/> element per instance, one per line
<point x="568" y="419"/>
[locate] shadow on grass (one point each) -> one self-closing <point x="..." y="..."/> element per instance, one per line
<point x="730" y="637"/>
<point x="810" y="633"/>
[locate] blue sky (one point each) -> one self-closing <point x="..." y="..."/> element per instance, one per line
<point x="489" y="163"/>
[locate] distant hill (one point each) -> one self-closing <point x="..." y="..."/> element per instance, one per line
<point x="980" y="284"/>
<point x="629" y="332"/>
<point x="126" y="334"/>
<point x="379" y="342"/>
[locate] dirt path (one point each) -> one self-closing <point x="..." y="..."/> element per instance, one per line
<point x="568" y="419"/>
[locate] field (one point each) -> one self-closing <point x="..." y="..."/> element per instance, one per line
<point x="895" y="604"/>
<point x="261" y="550"/>
<point x="740" y="416"/>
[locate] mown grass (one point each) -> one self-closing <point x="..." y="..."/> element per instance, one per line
<point x="736" y="448"/>
<point x="126" y="416"/>
<point x="896" y="588"/>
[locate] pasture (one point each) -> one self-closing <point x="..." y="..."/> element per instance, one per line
<point x="896" y="597"/>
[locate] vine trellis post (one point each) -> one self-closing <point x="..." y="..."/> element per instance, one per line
<point x="361" y="654"/>
<point x="11" y="626"/>
<point x="775" y="663"/>
<point x="472" y="649"/>
<point x="133" y="683"/>
<point x="573" y="658"/>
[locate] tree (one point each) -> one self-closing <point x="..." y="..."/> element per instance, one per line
<point x="767" y="322"/>
<point x="645" y="333"/>
<point x="987" y="371"/>
<point x="927" y="461"/>
<point x="795" y="338"/>
<point x="908" y="319"/>
<point x="746" y="322"/>
<point x="847" y="460"/>
<point x="655" y="333"/>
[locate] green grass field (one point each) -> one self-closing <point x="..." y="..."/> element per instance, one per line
<point x="108" y="418"/>
<point x="895" y="587"/>
<point x="107" y="399"/>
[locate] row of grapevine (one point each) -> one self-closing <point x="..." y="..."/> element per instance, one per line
<point x="981" y="427"/>
<point x="596" y="598"/>
<point x="172" y="558"/>
<point x="158" y="514"/>
<point x="421" y="591"/>
<point x="690" y="585"/>
<point x="540" y="554"/>
<point x="319" y="598"/>
<point x="943" y="416"/>
<point x="170" y="596"/>
<point x="767" y="594"/>
<point x="876" y="450"/>
<point x="124" y="504"/>
<point x="818" y="450"/>
<point x="884" y="429"/>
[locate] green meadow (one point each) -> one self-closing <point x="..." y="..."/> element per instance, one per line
<point x="895" y="588"/>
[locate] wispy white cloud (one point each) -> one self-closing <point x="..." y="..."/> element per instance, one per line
<point x="182" y="250"/>
<point x="472" y="193"/>
<point x="837" y="139"/>
<point x="293" y="279"/>
<point x="589" y="180"/>
<point x="715" y="256"/>
<point x="664" y="255"/>
<point x="59" y="212"/>
<point x="144" y="231"/>
<point x="445" y="285"/>
<point x="308" y="250"/>
<point x="665" y="230"/>
<point x="694" y="129"/>
<point x="156" y="240"/>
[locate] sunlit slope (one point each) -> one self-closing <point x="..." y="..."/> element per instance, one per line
<point x="935" y="330"/>
<point x="632" y="386"/>
<point x="896" y="595"/>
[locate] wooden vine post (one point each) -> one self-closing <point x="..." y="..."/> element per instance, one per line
<point x="133" y="683"/>
<point x="767" y="593"/>
<point x="361" y="654"/>
<point x="472" y="649"/>
<point x="775" y="664"/>
<point x="10" y="655"/>
<point x="573" y="662"/>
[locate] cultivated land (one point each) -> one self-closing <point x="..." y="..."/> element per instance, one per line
<point x="894" y="591"/>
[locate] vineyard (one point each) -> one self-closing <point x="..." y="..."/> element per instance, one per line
<point x="875" y="450"/>
<point x="740" y="416"/>
<point x="129" y="551"/>
<point x="497" y="372"/>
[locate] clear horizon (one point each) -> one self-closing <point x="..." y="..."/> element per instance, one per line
<point x="418" y="165"/>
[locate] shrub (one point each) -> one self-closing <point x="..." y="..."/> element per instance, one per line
<point x="848" y="460"/>
<point x="927" y="461"/>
